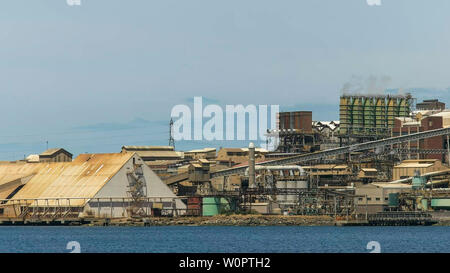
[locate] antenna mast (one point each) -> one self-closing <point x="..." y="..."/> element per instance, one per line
<point x="171" y="139"/>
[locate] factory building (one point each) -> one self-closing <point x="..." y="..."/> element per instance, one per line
<point x="205" y="153"/>
<point x="328" y="132"/>
<point x="329" y="174"/>
<point x="151" y="153"/>
<point x="408" y="168"/>
<point x="371" y="116"/>
<point x="421" y="122"/>
<point x="55" y="155"/>
<point x="300" y="121"/>
<point x="374" y="197"/>
<point x="239" y="155"/>
<point x="295" y="132"/>
<point x="165" y="168"/>
<point x="93" y="185"/>
<point x="433" y="104"/>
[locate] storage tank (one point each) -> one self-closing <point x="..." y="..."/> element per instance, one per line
<point x="393" y="200"/>
<point x="424" y="203"/>
<point x="299" y="120"/>
<point x="216" y="205"/>
<point x="290" y="198"/>
<point x="194" y="206"/>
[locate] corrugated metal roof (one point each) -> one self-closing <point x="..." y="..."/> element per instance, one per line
<point x="392" y="186"/>
<point x="204" y="150"/>
<point x="162" y="162"/>
<point x="83" y="177"/>
<point x="341" y="167"/>
<point x="148" y="148"/>
<point x="369" y="170"/>
<point x="414" y="165"/>
<point x="234" y="150"/>
<point x="161" y="154"/>
<point x="445" y="114"/>
<point x="52" y="151"/>
<point x="258" y="150"/>
<point x="322" y="166"/>
<point x="13" y="171"/>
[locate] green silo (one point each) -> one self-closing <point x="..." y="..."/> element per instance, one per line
<point x="358" y="115"/>
<point x="369" y="115"/>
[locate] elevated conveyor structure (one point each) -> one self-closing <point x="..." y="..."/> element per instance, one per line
<point x="338" y="151"/>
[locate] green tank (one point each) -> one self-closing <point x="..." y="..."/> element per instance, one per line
<point x="393" y="199"/>
<point x="216" y="205"/>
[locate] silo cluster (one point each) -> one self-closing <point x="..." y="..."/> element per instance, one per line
<point x="372" y="115"/>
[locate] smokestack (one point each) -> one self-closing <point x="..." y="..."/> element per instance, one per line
<point x="251" y="165"/>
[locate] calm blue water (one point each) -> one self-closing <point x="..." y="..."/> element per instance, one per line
<point x="224" y="239"/>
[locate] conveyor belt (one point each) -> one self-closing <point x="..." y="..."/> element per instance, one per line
<point x="338" y="151"/>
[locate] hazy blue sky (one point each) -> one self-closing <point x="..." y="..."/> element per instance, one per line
<point x="94" y="77"/>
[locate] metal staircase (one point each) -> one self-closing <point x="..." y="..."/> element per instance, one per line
<point x="137" y="190"/>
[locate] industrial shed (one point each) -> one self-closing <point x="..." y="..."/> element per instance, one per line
<point x="408" y="168"/>
<point x="93" y="185"/>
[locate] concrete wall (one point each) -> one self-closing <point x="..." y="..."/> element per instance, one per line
<point x="371" y="209"/>
<point x="431" y="123"/>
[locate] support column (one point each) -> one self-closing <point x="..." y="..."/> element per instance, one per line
<point x="251" y="165"/>
<point x="448" y="150"/>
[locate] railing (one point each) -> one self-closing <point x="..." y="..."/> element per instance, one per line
<point x="82" y="207"/>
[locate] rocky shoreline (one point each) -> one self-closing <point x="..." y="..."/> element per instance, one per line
<point x="221" y="220"/>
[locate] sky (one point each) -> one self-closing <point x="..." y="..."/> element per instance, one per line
<point x="106" y="73"/>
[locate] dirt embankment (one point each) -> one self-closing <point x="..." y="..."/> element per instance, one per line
<point x="231" y="220"/>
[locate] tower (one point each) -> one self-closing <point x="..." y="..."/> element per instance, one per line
<point x="171" y="139"/>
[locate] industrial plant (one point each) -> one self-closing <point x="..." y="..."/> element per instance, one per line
<point x="384" y="162"/>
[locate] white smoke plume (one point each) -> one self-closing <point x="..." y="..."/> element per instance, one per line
<point x="371" y="85"/>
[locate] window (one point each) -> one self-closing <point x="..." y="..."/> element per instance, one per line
<point x="360" y="199"/>
<point x="378" y="198"/>
<point x="369" y="198"/>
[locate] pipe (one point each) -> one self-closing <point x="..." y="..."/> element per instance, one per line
<point x="401" y="180"/>
<point x="251" y="165"/>
<point x="431" y="174"/>
<point x="273" y="168"/>
<point x="448" y="150"/>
